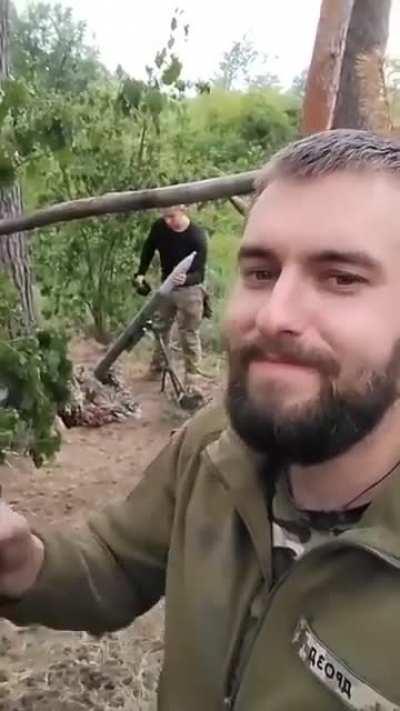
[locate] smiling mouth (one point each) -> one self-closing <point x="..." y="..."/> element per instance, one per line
<point x="282" y="363"/>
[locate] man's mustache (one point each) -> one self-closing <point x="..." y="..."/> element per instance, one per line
<point x="285" y="352"/>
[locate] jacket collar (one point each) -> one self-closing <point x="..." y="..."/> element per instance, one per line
<point x="239" y="467"/>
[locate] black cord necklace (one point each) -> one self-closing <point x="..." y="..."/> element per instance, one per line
<point x="371" y="486"/>
<point x="354" y="499"/>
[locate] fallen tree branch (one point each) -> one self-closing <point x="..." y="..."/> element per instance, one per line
<point x="112" y="203"/>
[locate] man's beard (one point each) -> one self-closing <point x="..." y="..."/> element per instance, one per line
<point x="322" y="429"/>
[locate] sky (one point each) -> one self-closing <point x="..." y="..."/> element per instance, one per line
<point x="129" y="32"/>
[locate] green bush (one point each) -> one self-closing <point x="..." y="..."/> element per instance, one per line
<point x="35" y="374"/>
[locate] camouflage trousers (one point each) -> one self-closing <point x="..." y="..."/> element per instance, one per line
<point x="186" y="306"/>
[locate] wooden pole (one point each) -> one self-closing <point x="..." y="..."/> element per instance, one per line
<point x="113" y="203"/>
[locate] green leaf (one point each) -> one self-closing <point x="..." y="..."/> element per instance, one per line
<point x="131" y="94"/>
<point x="160" y="58"/>
<point x="172" y="73"/>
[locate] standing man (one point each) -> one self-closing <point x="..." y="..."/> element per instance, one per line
<point x="272" y="526"/>
<point x="175" y="237"/>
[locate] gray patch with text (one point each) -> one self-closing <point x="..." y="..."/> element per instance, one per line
<point x="335" y="675"/>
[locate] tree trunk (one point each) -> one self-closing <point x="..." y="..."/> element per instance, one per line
<point x="360" y="99"/>
<point x="323" y="77"/>
<point x="14" y="249"/>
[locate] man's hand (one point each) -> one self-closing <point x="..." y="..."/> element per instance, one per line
<point x="179" y="279"/>
<point x="21" y="554"/>
<point x="139" y="279"/>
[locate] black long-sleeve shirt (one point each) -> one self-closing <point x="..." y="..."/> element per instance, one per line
<point x="174" y="246"/>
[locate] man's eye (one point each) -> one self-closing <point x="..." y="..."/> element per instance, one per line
<point x="344" y="279"/>
<point x="262" y="274"/>
<point x="258" y="276"/>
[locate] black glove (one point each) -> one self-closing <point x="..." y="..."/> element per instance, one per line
<point x="142" y="287"/>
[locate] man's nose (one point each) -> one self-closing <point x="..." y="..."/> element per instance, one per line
<point x="286" y="307"/>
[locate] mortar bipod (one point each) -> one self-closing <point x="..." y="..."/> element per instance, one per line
<point x="186" y="400"/>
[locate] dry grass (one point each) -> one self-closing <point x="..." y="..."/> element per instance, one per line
<point x="72" y="671"/>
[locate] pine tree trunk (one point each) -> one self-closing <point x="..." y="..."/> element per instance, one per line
<point x="367" y="36"/>
<point x="14" y="249"/>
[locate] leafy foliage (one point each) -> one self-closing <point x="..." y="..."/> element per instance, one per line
<point x="118" y="138"/>
<point x="110" y="140"/>
<point x="116" y="133"/>
<point x="49" y="49"/>
<point x="34" y="382"/>
<point x="69" y="129"/>
<point x="235" y="131"/>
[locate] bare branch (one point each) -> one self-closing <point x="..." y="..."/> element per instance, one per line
<point x="112" y="203"/>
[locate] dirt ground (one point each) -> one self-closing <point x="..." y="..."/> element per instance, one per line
<point x="42" y="670"/>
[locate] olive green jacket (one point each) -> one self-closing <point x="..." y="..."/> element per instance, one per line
<point x="196" y="530"/>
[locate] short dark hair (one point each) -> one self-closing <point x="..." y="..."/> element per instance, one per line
<point x="330" y="151"/>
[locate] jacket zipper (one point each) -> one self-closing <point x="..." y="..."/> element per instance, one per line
<point x="234" y="681"/>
